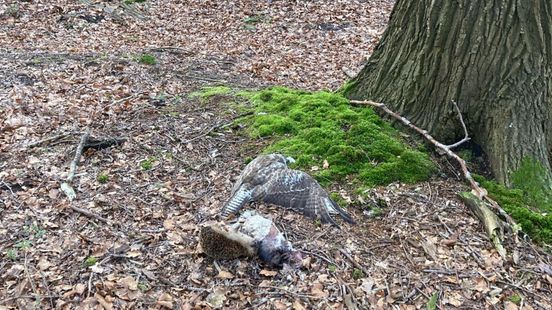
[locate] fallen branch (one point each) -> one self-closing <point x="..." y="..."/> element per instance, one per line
<point x="89" y="214"/>
<point x="490" y="223"/>
<point x="354" y="262"/>
<point x="78" y="154"/>
<point x="66" y="186"/>
<point x="217" y="127"/>
<point x="171" y="49"/>
<point x="47" y="140"/>
<point x="479" y="191"/>
<point x="493" y="225"/>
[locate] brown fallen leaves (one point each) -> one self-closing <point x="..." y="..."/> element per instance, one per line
<point x="66" y="65"/>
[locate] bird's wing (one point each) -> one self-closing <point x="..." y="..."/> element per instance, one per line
<point x="297" y="190"/>
<point x="247" y="171"/>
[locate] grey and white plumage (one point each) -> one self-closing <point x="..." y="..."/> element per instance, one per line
<point x="268" y="178"/>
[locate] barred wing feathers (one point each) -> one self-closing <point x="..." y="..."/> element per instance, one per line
<point x="298" y="191"/>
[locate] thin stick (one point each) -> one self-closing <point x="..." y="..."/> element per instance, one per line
<point x="27" y="273"/>
<point x="350" y="258"/>
<point x="171" y="49"/>
<point x="466" y="136"/>
<point x="49" y="139"/>
<point x="90" y="284"/>
<point x="89" y="214"/>
<point x="6" y="185"/>
<point x="288" y="292"/>
<point x="78" y="154"/>
<point x="480" y="192"/>
<point x="6" y="300"/>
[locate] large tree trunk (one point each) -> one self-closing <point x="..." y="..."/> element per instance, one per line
<point x="494" y="58"/>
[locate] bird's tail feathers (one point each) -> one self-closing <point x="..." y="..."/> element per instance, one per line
<point x="238" y="200"/>
<point x="333" y="206"/>
<point x="325" y="215"/>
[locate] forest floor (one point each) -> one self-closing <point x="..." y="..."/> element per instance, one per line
<point x="71" y="65"/>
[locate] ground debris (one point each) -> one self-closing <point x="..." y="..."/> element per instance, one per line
<point x="67" y="65"/>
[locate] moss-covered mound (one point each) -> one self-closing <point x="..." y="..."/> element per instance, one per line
<point x="536" y="224"/>
<point x="320" y="127"/>
<point x="529" y="202"/>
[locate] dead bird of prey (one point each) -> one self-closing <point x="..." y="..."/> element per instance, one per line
<point x="268" y="178"/>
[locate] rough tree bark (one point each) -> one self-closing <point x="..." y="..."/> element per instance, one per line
<point x="492" y="57"/>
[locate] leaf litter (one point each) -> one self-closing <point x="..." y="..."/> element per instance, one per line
<point x="69" y="65"/>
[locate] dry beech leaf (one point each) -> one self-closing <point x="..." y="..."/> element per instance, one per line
<point x="297" y="305"/>
<point x="165" y="300"/>
<point x="132" y="254"/>
<point x="168" y="224"/>
<point x="279" y="305"/>
<point x="454" y="299"/>
<point x="129" y="283"/>
<point x="43" y="264"/>
<point x="317" y="291"/>
<point x="223" y="274"/>
<point x="79" y="288"/>
<point x="481" y="285"/>
<point x="508" y="305"/>
<point x="268" y="273"/>
<point x="96" y="268"/>
<point x="216" y="299"/>
<point x="105" y="304"/>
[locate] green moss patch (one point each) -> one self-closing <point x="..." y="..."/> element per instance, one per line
<point x="208" y="92"/>
<point x="519" y="204"/>
<point x="147" y="59"/>
<point x="532" y="180"/>
<point x="322" y="126"/>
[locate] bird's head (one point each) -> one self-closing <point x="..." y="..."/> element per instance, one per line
<point x="281" y="158"/>
<point x="290" y="160"/>
<point x="278" y="256"/>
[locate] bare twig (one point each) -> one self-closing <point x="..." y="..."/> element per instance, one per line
<point x="6" y="300"/>
<point x="354" y="262"/>
<point x="49" y="139"/>
<point x="286" y="291"/>
<point x="493" y="226"/>
<point x="477" y="190"/>
<point x="78" y="154"/>
<point x="28" y="274"/>
<point x="480" y="192"/>
<point x="90" y="284"/>
<point x="466" y="136"/>
<point x="171" y="49"/>
<point x="327" y="260"/>
<point x="89" y="214"/>
<point x="202" y="78"/>
<point x="407" y="256"/>
<point x="348" y="73"/>
<point x="6" y="185"/>
<point x="66" y="186"/>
